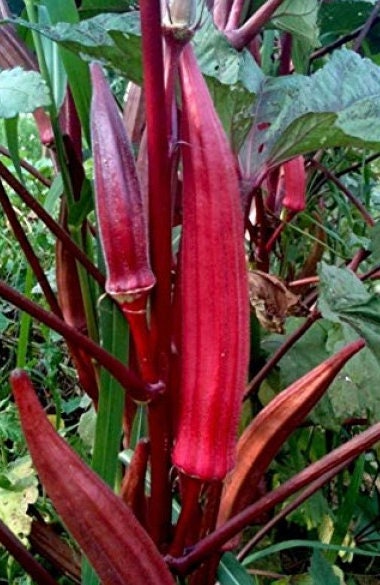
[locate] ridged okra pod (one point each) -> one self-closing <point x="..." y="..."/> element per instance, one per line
<point x="213" y="289"/>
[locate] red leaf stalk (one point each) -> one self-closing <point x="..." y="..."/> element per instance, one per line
<point x="213" y="289"/>
<point x="137" y="389"/>
<point x="116" y="545"/>
<point x="240" y="37"/>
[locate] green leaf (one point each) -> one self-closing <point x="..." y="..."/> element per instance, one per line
<point x="321" y="571"/>
<point x="11" y="131"/>
<point x="112" y="39"/>
<point x="346" y="510"/>
<point x="313" y="544"/>
<point x="299" y="18"/>
<point x="109" y="5"/>
<point x="307" y="353"/>
<point x="347" y="303"/>
<point x="231" y="572"/>
<point x="76" y="70"/>
<point x="21" y="92"/>
<point x="336" y="106"/>
<point x="342" y="16"/>
<point x="53" y="62"/>
<point x="375" y="242"/>
<point x="345" y="299"/>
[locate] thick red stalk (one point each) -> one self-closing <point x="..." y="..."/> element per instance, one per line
<point x="114" y="542"/>
<point x="137" y="389"/>
<point x="161" y="257"/>
<point x="242" y="36"/>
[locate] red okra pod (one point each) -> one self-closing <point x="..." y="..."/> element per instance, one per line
<point x="121" y="212"/>
<point x="213" y="289"/>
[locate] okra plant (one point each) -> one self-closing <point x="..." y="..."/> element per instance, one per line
<point x="196" y="233"/>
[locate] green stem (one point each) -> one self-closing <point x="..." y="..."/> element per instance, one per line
<point x="25" y="323"/>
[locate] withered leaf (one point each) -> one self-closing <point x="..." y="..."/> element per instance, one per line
<point x="271" y="300"/>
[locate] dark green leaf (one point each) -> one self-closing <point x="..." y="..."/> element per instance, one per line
<point x="76" y="70"/>
<point x="345" y="299"/>
<point x="321" y="571"/>
<point x="298" y="17"/>
<point x="11" y="131"/>
<point x="231" y="572"/>
<point x="21" y="92"/>
<point x="342" y="16"/>
<point x="112" y="39"/>
<point x="108" y="5"/>
<point x="375" y="242"/>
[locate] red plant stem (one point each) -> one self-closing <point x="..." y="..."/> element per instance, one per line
<point x="14" y="546"/>
<point x="336" y="460"/>
<point x="221" y="10"/>
<point x="137" y="320"/>
<point x="137" y="389"/>
<point x="28" y="167"/>
<point x="261" y="253"/>
<point x="358" y="258"/>
<point x="286" y="54"/>
<point x="242" y="36"/>
<point x="235" y="14"/>
<point x="297" y="501"/>
<point x="161" y="256"/>
<point x="277" y="232"/>
<point x="326" y="49"/>
<point x="367" y="27"/>
<point x="133" y="488"/>
<point x="255" y="383"/>
<point x="52" y="225"/>
<point x="206" y="573"/>
<point x="350" y="196"/>
<point x="370" y="273"/>
<point x="188" y="522"/>
<point x="304" y="281"/>
<point x="29" y="252"/>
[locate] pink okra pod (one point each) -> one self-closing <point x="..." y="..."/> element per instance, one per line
<point x="212" y="287"/>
